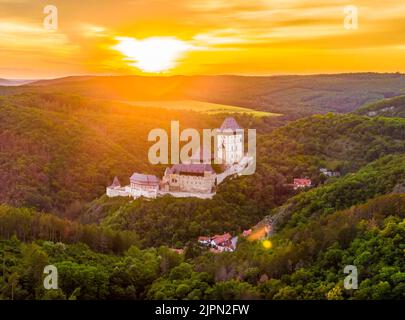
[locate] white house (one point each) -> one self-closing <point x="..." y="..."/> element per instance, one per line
<point x="329" y="173"/>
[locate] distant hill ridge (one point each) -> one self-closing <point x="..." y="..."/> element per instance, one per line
<point x="14" y="82"/>
<point x="298" y="95"/>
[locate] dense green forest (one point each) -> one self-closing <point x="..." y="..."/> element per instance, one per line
<point x="305" y="262"/>
<point x="59" y="151"/>
<point x="176" y="222"/>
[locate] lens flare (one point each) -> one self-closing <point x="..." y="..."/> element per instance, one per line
<point x="267" y="244"/>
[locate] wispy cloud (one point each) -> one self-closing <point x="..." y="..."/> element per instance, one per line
<point x="225" y="34"/>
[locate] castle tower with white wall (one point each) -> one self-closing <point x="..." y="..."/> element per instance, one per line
<point x="229" y="142"/>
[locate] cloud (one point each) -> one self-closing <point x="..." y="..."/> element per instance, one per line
<point x="226" y="32"/>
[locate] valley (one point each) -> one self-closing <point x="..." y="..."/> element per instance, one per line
<point x="59" y="151"/>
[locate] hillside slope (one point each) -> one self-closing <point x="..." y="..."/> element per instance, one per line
<point x="368" y="153"/>
<point x="377" y="178"/>
<point x="59" y="151"/>
<point x="393" y="107"/>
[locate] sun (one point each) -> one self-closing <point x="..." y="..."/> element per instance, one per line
<point x="157" y="54"/>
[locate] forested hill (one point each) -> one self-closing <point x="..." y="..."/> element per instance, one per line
<point x="58" y="151"/>
<point x="295" y="96"/>
<point x="367" y="152"/>
<point x="383" y="176"/>
<point x="392" y="107"/>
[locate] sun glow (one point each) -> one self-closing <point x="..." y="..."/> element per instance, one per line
<point x="267" y="244"/>
<point x="157" y="54"/>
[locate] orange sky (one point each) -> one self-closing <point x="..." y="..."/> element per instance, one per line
<point x="211" y="37"/>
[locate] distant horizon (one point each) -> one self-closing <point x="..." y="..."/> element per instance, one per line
<point x="200" y="75"/>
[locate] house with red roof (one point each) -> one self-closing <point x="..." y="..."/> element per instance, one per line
<point x="300" y="183"/>
<point x="223" y="242"/>
<point x="219" y="243"/>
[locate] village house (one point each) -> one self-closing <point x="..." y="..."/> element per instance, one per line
<point x="194" y="177"/>
<point x="219" y="243"/>
<point x="300" y="183"/>
<point x="329" y="173"/>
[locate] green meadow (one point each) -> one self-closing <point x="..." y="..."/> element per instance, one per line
<point x="200" y="106"/>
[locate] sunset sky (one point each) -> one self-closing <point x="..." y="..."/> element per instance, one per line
<point x="250" y="37"/>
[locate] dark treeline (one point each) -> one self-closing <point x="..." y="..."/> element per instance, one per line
<point x="29" y="225"/>
<point x="305" y="262"/>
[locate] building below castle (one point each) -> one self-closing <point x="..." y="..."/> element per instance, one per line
<point x="300" y="183"/>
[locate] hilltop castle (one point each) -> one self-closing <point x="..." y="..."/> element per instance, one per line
<point x="197" y="178"/>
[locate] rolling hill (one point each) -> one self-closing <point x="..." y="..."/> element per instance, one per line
<point x="14" y="82"/>
<point x="358" y="147"/>
<point x="58" y="151"/>
<point x="295" y="96"/>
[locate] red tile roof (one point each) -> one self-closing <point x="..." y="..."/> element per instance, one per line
<point x="304" y="182"/>
<point x="220" y="239"/>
